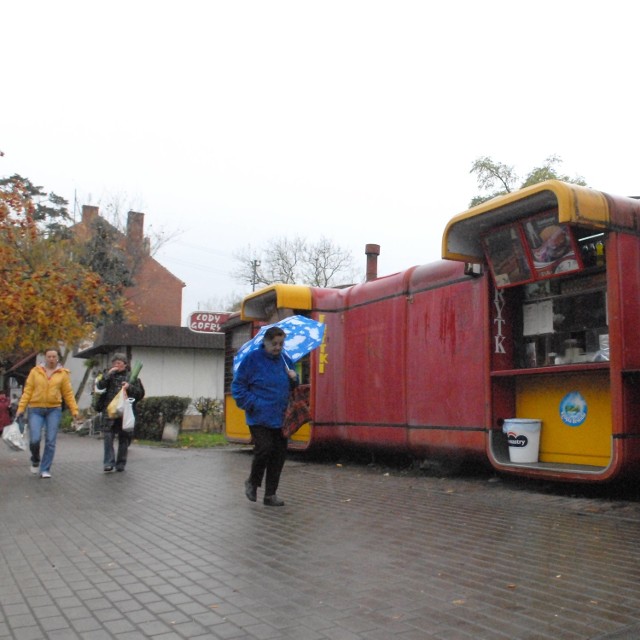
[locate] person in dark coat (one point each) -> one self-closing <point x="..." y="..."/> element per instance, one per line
<point x="261" y="387"/>
<point x="108" y="385"/>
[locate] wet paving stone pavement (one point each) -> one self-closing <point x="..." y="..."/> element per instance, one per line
<point x="171" y="549"/>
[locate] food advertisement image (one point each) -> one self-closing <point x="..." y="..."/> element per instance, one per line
<point x="552" y="246"/>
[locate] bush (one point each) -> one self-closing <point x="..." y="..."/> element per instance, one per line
<point x="210" y="407"/>
<point x="153" y="413"/>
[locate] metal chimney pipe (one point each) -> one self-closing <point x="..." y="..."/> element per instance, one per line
<point x="372" y="252"/>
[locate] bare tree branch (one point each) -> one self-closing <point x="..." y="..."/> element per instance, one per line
<point x="324" y="262"/>
<point x="294" y="261"/>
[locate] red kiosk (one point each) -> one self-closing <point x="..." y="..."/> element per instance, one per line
<point x="532" y="315"/>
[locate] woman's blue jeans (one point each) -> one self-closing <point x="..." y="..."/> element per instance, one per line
<point x="49" y="421"/>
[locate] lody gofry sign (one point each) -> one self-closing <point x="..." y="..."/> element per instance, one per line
<point x="207" y="321"/>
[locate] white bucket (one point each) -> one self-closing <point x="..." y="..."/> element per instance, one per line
<point x="524" y="439"/>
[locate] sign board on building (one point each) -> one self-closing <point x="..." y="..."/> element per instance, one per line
<point x="207" y="321"/>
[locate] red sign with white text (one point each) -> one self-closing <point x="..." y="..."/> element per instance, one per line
<point x="207" y="321"/>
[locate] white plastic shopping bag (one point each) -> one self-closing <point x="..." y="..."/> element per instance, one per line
<point x="128" y="418"/>
<point x="13" y="437"/>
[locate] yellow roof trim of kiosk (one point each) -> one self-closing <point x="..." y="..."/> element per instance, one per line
<point x="262" y="304"/>
<point x="576" y="205"/>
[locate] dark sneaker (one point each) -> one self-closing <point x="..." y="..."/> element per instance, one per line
<point x="250" y="491"/>
<point x="119" y="468"/>
<point x="273" y="501"/>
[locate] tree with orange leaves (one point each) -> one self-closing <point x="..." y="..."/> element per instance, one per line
<point x="47" y="295"/>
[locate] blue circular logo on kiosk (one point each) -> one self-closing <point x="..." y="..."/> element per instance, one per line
<point x="573" y="409"/>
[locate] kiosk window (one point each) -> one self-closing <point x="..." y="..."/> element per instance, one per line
<point x="564" y="328"/>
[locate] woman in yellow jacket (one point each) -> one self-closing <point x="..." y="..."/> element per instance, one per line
<point x="46" y="386"/>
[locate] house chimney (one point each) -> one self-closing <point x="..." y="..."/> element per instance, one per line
<point x="89" y="213"/>
<point x="135" y="230"/>
<point x="372" y="252"/>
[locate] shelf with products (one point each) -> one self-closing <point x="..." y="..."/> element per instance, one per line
<point x="592" y="249"/>
<point x="563" y="322"/>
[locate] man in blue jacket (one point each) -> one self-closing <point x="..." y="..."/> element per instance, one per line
<point x="261" y="387"/>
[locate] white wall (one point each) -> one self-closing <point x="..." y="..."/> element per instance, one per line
<point x="182" y="372"/>
<point x="166" y="372"/>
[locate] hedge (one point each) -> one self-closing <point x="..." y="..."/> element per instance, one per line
<point x="153" y="413"/>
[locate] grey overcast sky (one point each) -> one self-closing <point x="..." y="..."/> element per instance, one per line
<point x="240" y="121"/>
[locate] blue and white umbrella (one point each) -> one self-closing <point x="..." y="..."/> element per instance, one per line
<point x="303" y="335"/>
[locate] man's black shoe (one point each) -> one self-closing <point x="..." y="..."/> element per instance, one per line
<point x="250" y="491"/>
<point x="273" y="501"/>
